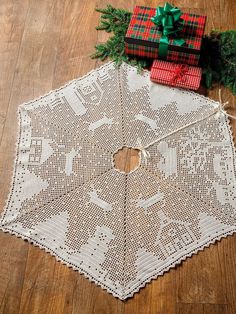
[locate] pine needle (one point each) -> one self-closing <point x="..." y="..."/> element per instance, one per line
<point x="116" y="21"/>
<point x="218" y="59"/>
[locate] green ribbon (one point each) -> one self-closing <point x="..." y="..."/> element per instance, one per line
<point x="168" y="20"/>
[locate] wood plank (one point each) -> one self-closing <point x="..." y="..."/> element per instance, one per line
<point x="13" y="254"/>
<point x="77" y="39"/>
<point x="215" y="309"/>
<point x="12" y="20"/>
<point x="32" y="281"/>
<point x="200" y="279"/>
<point x="189" y="308"/>
<point x="227" y="259"/>
<point x="159" y="296"/>
<point x="193" y="308"/>
<point x="33" y="76"/>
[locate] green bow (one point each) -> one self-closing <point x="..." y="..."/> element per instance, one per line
<point x="169" y="21"/>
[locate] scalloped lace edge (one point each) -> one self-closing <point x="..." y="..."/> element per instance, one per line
<point x="99" y="68"/>
<point x="74" y="267"/>
<point x="130" y="294"/>
<point x="67" y="84"/>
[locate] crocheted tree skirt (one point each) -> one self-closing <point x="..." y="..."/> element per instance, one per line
<point x="122" y="229"/>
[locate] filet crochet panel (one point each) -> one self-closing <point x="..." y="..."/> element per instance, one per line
<point x="121" y="229"/>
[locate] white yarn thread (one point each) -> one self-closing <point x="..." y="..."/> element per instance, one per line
<point x="222" y="105"/>
<point x="145" y="154"/>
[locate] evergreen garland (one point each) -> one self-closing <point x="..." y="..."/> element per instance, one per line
<point x="218" y="54"/>
<point x="218" y="59"/>
<point x="116" y="21"/>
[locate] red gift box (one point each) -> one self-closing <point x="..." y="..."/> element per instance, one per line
<point x="176" y="74"/>
<point x="143" y="37"/>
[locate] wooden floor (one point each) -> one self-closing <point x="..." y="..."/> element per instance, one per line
<point x="43" y="44"/>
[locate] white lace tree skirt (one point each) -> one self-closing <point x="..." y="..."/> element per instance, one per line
<point x="122" y="230"/>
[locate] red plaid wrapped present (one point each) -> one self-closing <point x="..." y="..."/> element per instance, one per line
<point x="143" y="37"/>
<point x="175" y="74"/>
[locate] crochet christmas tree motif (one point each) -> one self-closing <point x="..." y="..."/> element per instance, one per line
<point x="122" y="228"/>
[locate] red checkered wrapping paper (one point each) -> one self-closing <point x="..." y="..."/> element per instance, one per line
<point x="176" y="74"/>
<point x="143" y="36"/>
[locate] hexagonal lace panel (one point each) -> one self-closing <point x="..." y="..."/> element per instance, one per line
<point x="122" y="229"/>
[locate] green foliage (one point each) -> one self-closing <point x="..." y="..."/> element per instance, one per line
<point x="116" y="21"/>
<point x="218" y="55"/>
<point x="218" y="59"/>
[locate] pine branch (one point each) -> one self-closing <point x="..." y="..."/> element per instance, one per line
<point x="218" y="59"/>
<point x="116" y="21"/>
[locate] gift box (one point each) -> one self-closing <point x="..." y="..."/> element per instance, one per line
<point x="144" y="38"/>
<point x="175" y="74"/>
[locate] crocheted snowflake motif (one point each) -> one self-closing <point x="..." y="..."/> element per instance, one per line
<point x="122" y="229"/>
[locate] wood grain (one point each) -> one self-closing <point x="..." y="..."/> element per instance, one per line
<point x="43" y="45"/>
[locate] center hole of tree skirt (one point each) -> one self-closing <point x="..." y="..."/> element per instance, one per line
<point x="126" y="159"/>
